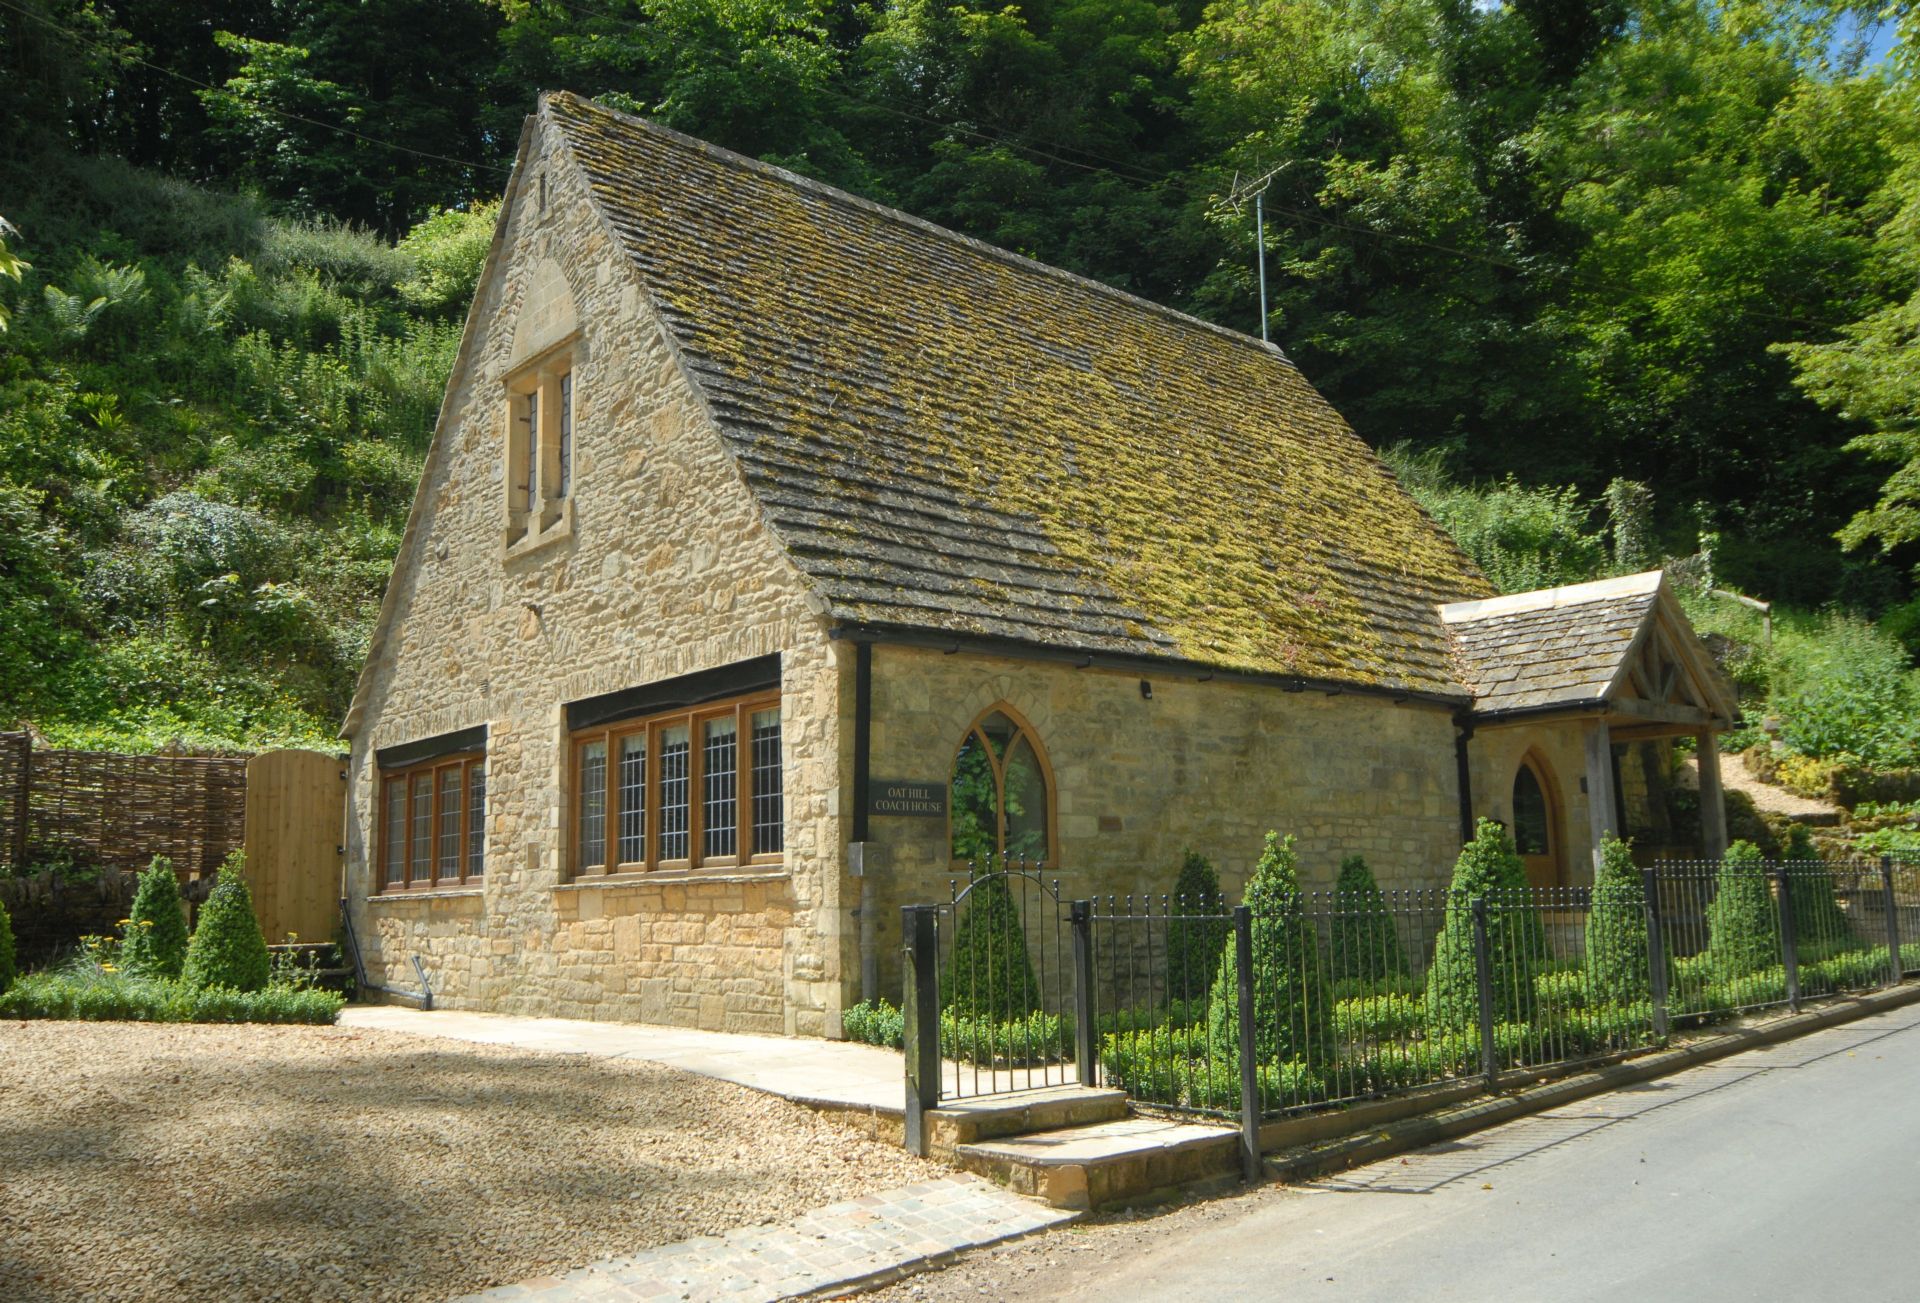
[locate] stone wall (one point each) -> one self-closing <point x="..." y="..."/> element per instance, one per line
<point x="1559" y="752"/>
<point x="662" y="568"/>
<point x="1207" y="765"/>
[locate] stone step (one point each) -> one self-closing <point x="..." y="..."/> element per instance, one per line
<point x="989" y="1117"/>
<point x="1106" y="1162"/>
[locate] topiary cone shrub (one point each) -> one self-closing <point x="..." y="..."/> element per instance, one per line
<point x="7" y="970"/>
<point x="988" y="972"/>
<point x="227" y="949"/>
<point x="1194" y="944"/>
<point x="1365" y="946"/>
<point x="1818" y="919"/>
<point x="1488" y="866"/>
<point x="156" y="938"/>
<point x="1292" y="1008"/>
<point x="1743" y="923"/>
<point x="1618" y="971"/>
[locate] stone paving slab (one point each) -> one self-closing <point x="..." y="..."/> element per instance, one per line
<point x="832" y="1072"/>
<point x="862" y="1241"/>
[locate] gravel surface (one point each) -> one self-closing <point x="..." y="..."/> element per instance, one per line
<point x="220" y="1162"/>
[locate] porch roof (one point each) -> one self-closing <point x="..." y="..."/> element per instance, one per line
<point x="1622" y="646"/>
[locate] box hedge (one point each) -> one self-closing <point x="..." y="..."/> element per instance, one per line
<point x="156" y="932"/>
<point x="1488" y="867"/>
<point x="1194" y="943"/>
<point x="1743" y="923"/>
<point x="1292" y="1008"/>
<point x="1364" y="945"/>
<point x="227" y="949"/>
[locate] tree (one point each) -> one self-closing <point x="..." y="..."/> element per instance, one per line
<point x="1743" y="924"/>
<point x="1488" y="869"/>
<point x="156" y="933"/>
<point x="1194" y="943"/>
<point x="988" y="972"/>
<point x="1292" y="1008"/>
<point x="227" y="949"/>
<point x="1365" y="943"/>
<point x="1618" y="971"/>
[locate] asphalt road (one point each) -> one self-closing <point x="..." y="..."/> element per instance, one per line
<point x="1786" y="1172"/>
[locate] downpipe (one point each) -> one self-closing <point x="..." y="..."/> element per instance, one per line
<point x="423" y="999"/>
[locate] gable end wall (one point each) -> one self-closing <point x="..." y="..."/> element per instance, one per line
<point x="668" y="570"/>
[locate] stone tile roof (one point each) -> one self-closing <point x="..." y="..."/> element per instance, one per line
<point x="948" y="437"/>
<point x="1556" y="646"/>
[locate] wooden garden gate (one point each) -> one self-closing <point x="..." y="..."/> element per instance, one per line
<point x="296" y="816"/>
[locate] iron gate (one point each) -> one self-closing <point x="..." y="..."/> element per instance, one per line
<point x="994" y="1000"/>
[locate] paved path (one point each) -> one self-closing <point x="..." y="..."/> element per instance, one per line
<point x="831" y="1072"/>
<point x="844" y="1245"/>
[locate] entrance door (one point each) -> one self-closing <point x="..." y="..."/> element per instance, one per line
<point x="1536" y="826"/>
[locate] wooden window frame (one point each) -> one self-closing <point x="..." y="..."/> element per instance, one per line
<point x="694" y="719"/>
<point x="422" y="878"/>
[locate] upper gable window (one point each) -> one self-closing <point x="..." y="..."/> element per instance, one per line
<point x="540" y="413"/>
<point x="541" y="399"/>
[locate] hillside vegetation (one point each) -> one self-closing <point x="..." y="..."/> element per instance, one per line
<point x="1616" y="282"/>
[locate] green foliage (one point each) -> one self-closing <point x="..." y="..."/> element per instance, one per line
<point x="1194" y="944"/>
<point x="1364" y="945"/>
<point x="1488" y="867"/>
<point x="1521" y="538"/>
<point x="1617" y="970"/>
<point x="7" y="961"/>
<point x="1818" y="920"/>
<point x="1378" y="1017"/>
<point x="1292" y="1011"/>
<point x="118" y="996"/>
<point x="1743" y="923"/>
<point x="874" y="1022"/>
<point x="227" y="949"/>
<point x="1006" y="1042"/>
<point x="155" y="942"/>
<point x="1672" y="244"/>
<point x="988" y="973"/>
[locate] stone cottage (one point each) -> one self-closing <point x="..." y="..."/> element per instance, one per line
<point x="777" y="553"/>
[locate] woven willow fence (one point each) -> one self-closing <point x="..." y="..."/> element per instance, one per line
<point x="115" y="811"/>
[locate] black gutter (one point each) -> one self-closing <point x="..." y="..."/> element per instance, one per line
<point x="1464" y="723"/>
<point x="862" y="733"/>
<point x="1079" y="659"/>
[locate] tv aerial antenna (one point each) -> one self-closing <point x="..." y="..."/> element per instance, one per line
<point x="1256" y="190"/>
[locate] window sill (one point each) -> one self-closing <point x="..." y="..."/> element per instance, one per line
<point x="753" y="873"/>
<point x="524" y="541"/>
<point x="435" y="893"/>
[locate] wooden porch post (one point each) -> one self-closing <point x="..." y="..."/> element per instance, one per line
<point x="1713" y="801"/>
<point x="1600" y="803"/>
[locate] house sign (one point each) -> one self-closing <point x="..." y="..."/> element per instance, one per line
<point x="928" y="800"/>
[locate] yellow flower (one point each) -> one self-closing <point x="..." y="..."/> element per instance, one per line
<point x="146" y="922"/>
<point x="293" y="936"/>
<point x="125" y="921"/>
<point x="108" y="968"/>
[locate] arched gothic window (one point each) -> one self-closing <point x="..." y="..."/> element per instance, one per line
<point x="1536" y="824"/>
<point x="1001" y="795"/>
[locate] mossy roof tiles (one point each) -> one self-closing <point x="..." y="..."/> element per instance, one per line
<point x="951" y="438"/>
<point x="1554" y="647"/>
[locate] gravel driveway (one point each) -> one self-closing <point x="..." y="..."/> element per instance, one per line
<point x="217" y="1162"/>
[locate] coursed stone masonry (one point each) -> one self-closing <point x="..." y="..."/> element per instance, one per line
<point x="664" y="569"/>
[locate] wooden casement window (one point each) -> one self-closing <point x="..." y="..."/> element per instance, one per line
<point x="540" y="398"/>
<point x="689" y="789"/>
<point x="433" y="824"/>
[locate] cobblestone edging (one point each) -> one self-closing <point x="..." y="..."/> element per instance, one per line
<point x="863" y="1241"/>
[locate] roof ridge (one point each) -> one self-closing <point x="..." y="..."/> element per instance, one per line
<point x="836" y="195"/>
